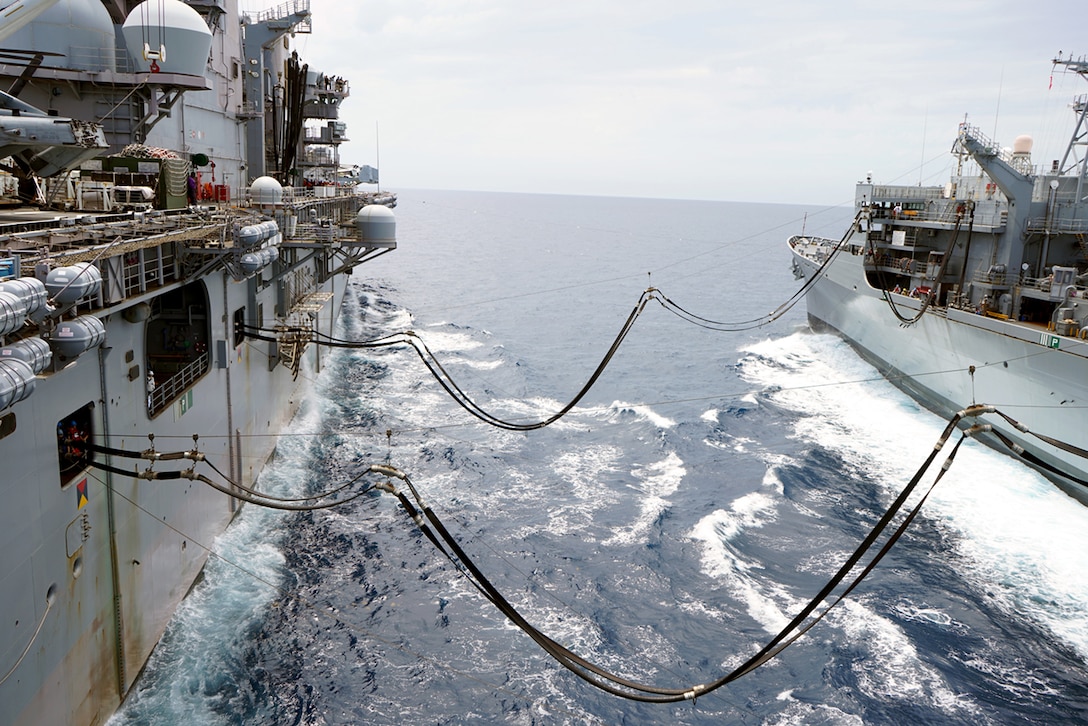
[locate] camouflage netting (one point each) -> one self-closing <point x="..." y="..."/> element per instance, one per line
<point x="140" y="151"/>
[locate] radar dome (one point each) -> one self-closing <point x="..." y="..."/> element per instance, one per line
<point x="266" y="190"/>
<point x="169" y="33"/>
<point x="1022" y="144"/>
<point x="377" y="225"/>
<point x="82" y="24"/>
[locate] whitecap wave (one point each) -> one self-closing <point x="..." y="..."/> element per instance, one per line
<point x="642" y="412"/>
<point x="480" y="365"/>
<point x="894" y="671"/>
<point x="721" y="561"/>
<point x="655" y="483"/>
<point x="581" y="471"/>
<point x="439" y="340"/>
<point x="800" y="713"/>
<point x="997" y="507"/>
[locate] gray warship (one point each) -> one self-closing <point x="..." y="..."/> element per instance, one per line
<point x="170" y="178"/>
<point x="975" y="291"/>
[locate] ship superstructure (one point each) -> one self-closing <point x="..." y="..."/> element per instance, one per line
<point x="975" y="290"/>
<point x="149" y="212"/>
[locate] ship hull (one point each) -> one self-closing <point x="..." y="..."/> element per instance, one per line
<point x="160" y="295"/>
<point x="950" y="359"/>
<point x="119" y="553"/>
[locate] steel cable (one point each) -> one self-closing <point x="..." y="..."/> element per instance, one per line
<point x="50" y="598"/>
<point x="786" y="306"/>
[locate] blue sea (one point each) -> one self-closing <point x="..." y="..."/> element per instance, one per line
<point x="700" y="494"/>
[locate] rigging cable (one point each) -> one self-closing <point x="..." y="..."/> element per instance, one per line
<point x="1033" y="459"/>
<point x="310" y="604"/>
<point x="731" y="395"/>
<point x="439" y="372"/>
<point x="198" y="456"/>
<point x="905" y="321"/>
<point x="195" y="455"/>
<point x="626" y="688"/>
<point x="434" y="529"/>
<point x="447" y="382"/>
<point x="775" y="314"/>
<point x="451" y="387"/>
<point x="50" y="598"/>
<point x="239" y="491"/>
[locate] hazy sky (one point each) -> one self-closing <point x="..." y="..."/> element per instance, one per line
<point x="757" y="101"/>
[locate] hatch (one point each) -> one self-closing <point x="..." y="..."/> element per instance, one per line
<point x="176" y="342"/>
<point x="74" y="432"/>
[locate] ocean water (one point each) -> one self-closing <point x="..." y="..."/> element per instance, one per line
<point x="698" y="496"/>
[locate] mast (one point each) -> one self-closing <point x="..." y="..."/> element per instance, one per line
<point x="1074" y="156"/>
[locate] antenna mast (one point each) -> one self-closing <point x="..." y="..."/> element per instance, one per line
<point x="1074" y="155"/>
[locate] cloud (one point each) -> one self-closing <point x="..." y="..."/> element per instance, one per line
<point x="790" y="101"/>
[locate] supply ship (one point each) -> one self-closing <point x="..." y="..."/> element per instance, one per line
<point x="975" y="291"/>
<point x="171" y="175"/>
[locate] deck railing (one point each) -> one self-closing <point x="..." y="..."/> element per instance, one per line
<point x="286" y="10"/>
<point x="175" y="385"/>
<point x="1069" y="226"/>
